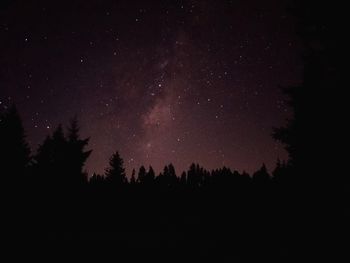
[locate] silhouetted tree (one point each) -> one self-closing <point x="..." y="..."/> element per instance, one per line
<point x="311" y="133"/>
<point x="14" y="150"/>
<point x="132" y="178"/>
<point x="194" y="176"/>
<point x="115" y="174"/>
<point x="60" y="160"/>
<point x="172" y="175"/>
<point x="261" y="176"/>
<point x="183" y="178"/>
<point x="150" y="176"/>
<point x="319" y="28"/>
<point x="161" y="178"/>
<point x="288" y="134"/>
<point x="141" y="175"/>
<point x="77" y="156"/>
<point x="168" y="177"/>
<point x="51" y="160"/>
<point x="280" y="171"/>
<point x="96" y="180"/>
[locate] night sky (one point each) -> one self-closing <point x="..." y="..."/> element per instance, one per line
<point x="159" y="81"/>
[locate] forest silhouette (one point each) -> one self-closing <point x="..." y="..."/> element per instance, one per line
<point x="195" y="214"/>
<point x="205" y="206"/>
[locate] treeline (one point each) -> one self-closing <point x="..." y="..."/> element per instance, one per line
<point x="59" y="163"/>
<point x="48" y="195"/>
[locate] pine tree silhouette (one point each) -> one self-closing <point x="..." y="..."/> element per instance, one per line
<point x="183" y="178"/>
<point x="150" y="177"/>
<point x="173" y="180"/>
<point x="115" y="174"/>
<point x="141" y="175"/>
<point x="280" y="172"/>
<point x="132" y="178"/>
<point x="15" y="152"/>
<point x="96" y="180"/>
<point x="194" y="176"/>
<point x="60" y="160"/>
<point x="168" y="177"/>
<point x="261" y="176"/>
<point x="51" y="160"/>
<point x="76" y="154"/>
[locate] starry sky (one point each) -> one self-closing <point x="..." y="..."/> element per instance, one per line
<point x="176" y="81"/>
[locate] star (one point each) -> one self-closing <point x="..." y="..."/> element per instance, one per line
<point x="161" y="88"/>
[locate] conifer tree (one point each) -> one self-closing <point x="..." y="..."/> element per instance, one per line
<point x="115" y="174"/>
<point x="15" y="152"/>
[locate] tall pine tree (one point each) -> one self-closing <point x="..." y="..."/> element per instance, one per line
<point x="115" y="173"/>
<point x="77" y="155"/>
<point x="14" y="150"/>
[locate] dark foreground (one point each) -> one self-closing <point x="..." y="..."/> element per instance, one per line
<point x="249" y="222"/>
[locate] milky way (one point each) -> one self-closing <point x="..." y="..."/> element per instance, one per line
<point x="159" y="81"/>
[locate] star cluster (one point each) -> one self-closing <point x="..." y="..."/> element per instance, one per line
<point x="160" y="81"/>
